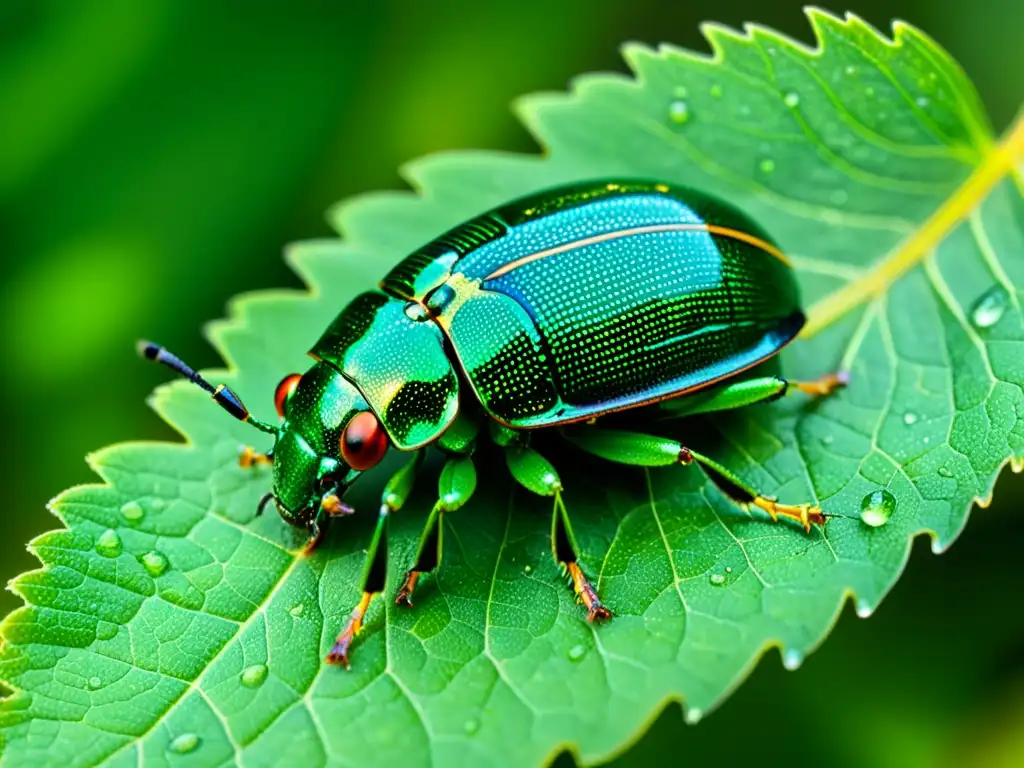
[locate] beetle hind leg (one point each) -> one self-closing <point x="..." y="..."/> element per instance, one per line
<point x="651" y="451"/>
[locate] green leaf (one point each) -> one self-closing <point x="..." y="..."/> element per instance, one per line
<point x="168" y="622"/>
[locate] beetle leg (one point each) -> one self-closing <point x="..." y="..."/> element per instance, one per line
<point x="249" y="457"/>
<point x="455" y="487"/>
<point x="747" y="392"/>
<point x="537" y="474"/>
<point x="375" y="566"/>
<point x="650" y="451"/>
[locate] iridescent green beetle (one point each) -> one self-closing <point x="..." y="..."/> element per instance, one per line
<point x="550" y="311"/>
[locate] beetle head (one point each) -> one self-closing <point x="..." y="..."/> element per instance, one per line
<point x="328" y="437"/>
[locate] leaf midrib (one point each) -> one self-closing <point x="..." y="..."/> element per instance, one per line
<point x="1001" y="161"/>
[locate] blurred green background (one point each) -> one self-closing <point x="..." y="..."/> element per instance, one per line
<point x="155" y="156"/>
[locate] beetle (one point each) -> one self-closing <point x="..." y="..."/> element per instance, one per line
<point x="549" y="312"/>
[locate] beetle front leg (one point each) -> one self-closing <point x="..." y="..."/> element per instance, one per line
<point x="454" y="488"/>
<point x="375" y="565"/>
<point x="650" y="451"/>
<point x="745" y="392"/>
<point x="537" y="474"/>
<point x="250" y="457"/>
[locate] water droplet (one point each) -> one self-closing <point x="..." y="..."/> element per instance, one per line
<point x="678" y="112"/>
<point x="109" y="543"/>
<point x="864" y="610"/>
<point x="184" y="744"/>
<point x="945" y="472"/>
<point x="989" y="309"/>
<point x="717" y="579"/>
<point x="876" y="508"/>
<point x="767" y="165"/>
<point x="828" y="439"/>
<point x="132" y="512"/>
<point x="851" y="70"/>
<point x="577" y="652"/>
<point x="680" y="91"/>
<point x="1017" y="465"/>
<point x="937" y="547"/>
<point x="838" y="196"/>
<point x="471" y="726"/>
<point x="155" y="563"/>
<point x="95" y="683"/>
<point x="728" y="569"/>
<point x="296" y="610"/>
<point x="528" y="569"/>
<point x="909" y="418"/>
<point x="927" y="440"/>
<point x="253" y="677"/>
<point x="693" y="715"/>
<point x="791" y="99"/>
<point x="792" y="659"/>
<point x="716" y="91"/>
<point x="922" y="101"/>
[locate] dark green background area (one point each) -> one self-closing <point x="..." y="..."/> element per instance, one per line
<point x="155" y="156"/>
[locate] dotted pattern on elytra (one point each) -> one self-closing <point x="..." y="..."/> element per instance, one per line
<point x="630" y="319"/>
<point x="575" y="223"/>
<point x="503" y="355"/>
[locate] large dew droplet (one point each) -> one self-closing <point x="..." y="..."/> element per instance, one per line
<point x="989" y="309"/>
<point x="109" y="543"/>
<point x="254" y="676"/>
<point x="767" y="165"/>
<point x="693" y="715"/>
<point x="94" y="683"/>
<point x="184" y="744"/>
<point x="471" y="726"/>
<point x="877" y="507"/>
<point x="678" y="112"/>
<point x="155" y="563"/>
<point x="577" y="652"/>
<point x="133" y="512"/>
<point x="791" y="99"/>
<point x="717" y="579"/>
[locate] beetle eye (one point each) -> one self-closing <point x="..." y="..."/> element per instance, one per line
<point x="364" y="441"/>
<point x="284" y="392"/>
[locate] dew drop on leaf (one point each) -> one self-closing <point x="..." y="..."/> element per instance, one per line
<point x="184" y="744"/>
<point x="838" y="196"/>
<point x="577" y="652"/>
<point x="155" y="563"/>
<point x="254" y="676"/>
<point x="109" y="543"/>
<point x="828" y="439"/>
<point x="922" y="101"/>
<point x="792" y="659"/>
<point x="693" y="715"/>
<point x="767" y="165"/>
<point x="471" y="726"/>
<point x="132" y="512"/>
<point x="864" y="610"/>
<point x="851" y="70"/>
<point x="717" y="579"/>
<point x="791" y="99"/>
<point x="678" y="112"/>
<point x="297" y="610"/>
<point x="680" y="91"/>
<point x="909" y="418"/>
<point x="95" y="683"/>
<point x="528" y="569"/>
<point x="945" y="472"/>
<point x="877" y="507"/>
<point x="989" y="309"/>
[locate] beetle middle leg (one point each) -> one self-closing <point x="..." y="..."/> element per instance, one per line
<point x="537" y="474"/>
<point x="650" y="451"/>
<point x="375" y="565"/>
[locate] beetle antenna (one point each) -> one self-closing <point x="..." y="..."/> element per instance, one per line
<point x="221" y="394"/>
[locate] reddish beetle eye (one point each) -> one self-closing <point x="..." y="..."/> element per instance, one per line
<point x="284" y="392"/>
<point x="364" y="441"/>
